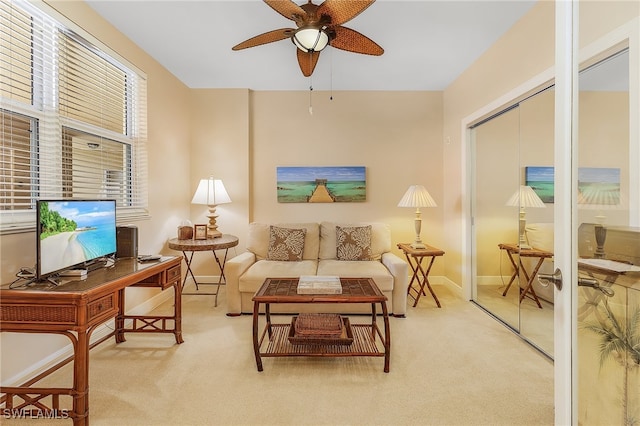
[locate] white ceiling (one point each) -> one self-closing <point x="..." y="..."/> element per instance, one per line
<point x="427" y="43"/>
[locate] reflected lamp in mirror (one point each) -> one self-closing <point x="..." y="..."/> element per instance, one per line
<point x="599" y="197"/>
<point x="417" y="196"/>
<point x="211" y="192"/>
<point x="525" y="197"/>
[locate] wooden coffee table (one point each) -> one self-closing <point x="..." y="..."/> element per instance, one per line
<point x="368" y="339"/>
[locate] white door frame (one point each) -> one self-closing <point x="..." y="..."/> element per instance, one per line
<point x="565" y="169"/>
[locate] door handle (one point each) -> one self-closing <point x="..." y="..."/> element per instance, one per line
<point x="594" y="283"/>
<point x="555" y="278"/>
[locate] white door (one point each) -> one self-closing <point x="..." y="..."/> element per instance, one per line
<point x="596" y="151"/>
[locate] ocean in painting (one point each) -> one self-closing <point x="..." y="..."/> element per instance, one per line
<point x="544" y="189"/>
<point x="540" y="179"/>
<point x="343" y="184"/>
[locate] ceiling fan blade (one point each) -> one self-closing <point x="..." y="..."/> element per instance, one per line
<point x="264" y="38"/>
<point x="352" y="41"/>
<point x="342" y="11"/>
<point x="307" y="61"/>
<point x="286" y="8"/>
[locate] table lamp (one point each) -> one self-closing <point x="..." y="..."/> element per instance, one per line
<point x="523" y="198"/>
<point x="211" y="192"/>
<point x="417" y="196"/>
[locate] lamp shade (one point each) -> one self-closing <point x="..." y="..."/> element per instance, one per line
<point x="310" y="39"/>
<point x="211" y="192"/>
<point x="525" y="197"/>
<point x="417" y="196"/>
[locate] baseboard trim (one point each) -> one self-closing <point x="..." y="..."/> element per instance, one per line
<point x="442" y="280"/>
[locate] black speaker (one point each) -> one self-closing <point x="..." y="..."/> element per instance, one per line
<point x="127" y="241"/>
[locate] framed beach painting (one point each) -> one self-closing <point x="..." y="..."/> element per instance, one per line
<point x="596" y="185"/>
<point x="321" y="184"/>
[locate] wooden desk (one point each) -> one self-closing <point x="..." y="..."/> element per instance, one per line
<point x="75" y="309"/>
<point x="420" y="275"/>
<point x="514" y="250"/>
<point x="225" y="242"/>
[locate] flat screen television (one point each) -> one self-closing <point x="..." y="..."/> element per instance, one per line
<point x="72" y="233"/>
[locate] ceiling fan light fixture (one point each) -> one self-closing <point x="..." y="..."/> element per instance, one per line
<point x="310" y="39"/>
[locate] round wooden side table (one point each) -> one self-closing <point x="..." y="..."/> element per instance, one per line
<point x="225" y="242"/>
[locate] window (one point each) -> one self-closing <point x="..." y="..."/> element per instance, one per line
<point x="72" y="118"/>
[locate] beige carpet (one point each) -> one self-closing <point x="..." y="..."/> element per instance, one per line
<point x="449" y="366"/>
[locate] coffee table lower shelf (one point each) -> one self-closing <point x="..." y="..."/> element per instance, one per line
<point x="365" y="343"/>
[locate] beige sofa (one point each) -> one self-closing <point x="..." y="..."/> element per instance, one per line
<point x="246" y="272"/>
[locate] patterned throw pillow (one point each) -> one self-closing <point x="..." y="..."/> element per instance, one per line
<point x="353" y="243"/>
<point x="285" y="243"/>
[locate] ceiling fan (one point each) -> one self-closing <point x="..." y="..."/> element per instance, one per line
<point x="317" y="27"/>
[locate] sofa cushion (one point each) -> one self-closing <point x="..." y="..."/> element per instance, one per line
<point x="357" y="269"/>
<point x="259" y="233"/>
<point x="353" y="242"/>
<point x="285" y="243"/>
<point x="540" y="236"/>
<point x="251" y="280"/>
<point x="380" y="239"/>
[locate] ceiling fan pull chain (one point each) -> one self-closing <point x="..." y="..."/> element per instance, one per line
<point x="310" y="100"/>
<point x="310" y="89"/>
<point x="331" y="74"/>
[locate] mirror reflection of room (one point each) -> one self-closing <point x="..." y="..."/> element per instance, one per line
<point x="514" y="217"/>
<point x="608" y="247"/>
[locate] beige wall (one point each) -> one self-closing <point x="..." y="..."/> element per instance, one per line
<point x="219" y="147"/>
<point x="242" y="136"/>
<point x="525" y="51"/>
<point x="397" y="136"/>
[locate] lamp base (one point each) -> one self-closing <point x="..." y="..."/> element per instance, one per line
<point x="522" y="238"/>
<point x="212" y="227"/>
<point x="214" y="233"/>
<point x="601" y="236"/>
<point x="418" y="245"/>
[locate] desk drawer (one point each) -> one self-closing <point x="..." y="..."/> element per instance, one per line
<point x="174" y="274"/>
<point x="103" y="306"/>
<point x="38" y="314"/>
<point x="164" y="279"/>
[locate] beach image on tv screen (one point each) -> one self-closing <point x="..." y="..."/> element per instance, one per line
<point x="73" y="232"/>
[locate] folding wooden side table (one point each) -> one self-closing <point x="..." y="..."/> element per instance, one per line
<point x="225" y="242"/>
<point x="420" y="275"/>
<point x="514" y="250"/>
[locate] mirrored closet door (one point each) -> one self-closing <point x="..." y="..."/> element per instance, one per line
<point x="513" y="216"/>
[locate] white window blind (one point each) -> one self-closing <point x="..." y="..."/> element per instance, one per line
<point x="73" y="119"/>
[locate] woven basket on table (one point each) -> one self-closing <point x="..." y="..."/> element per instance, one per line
<point x="320" y="329"/>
